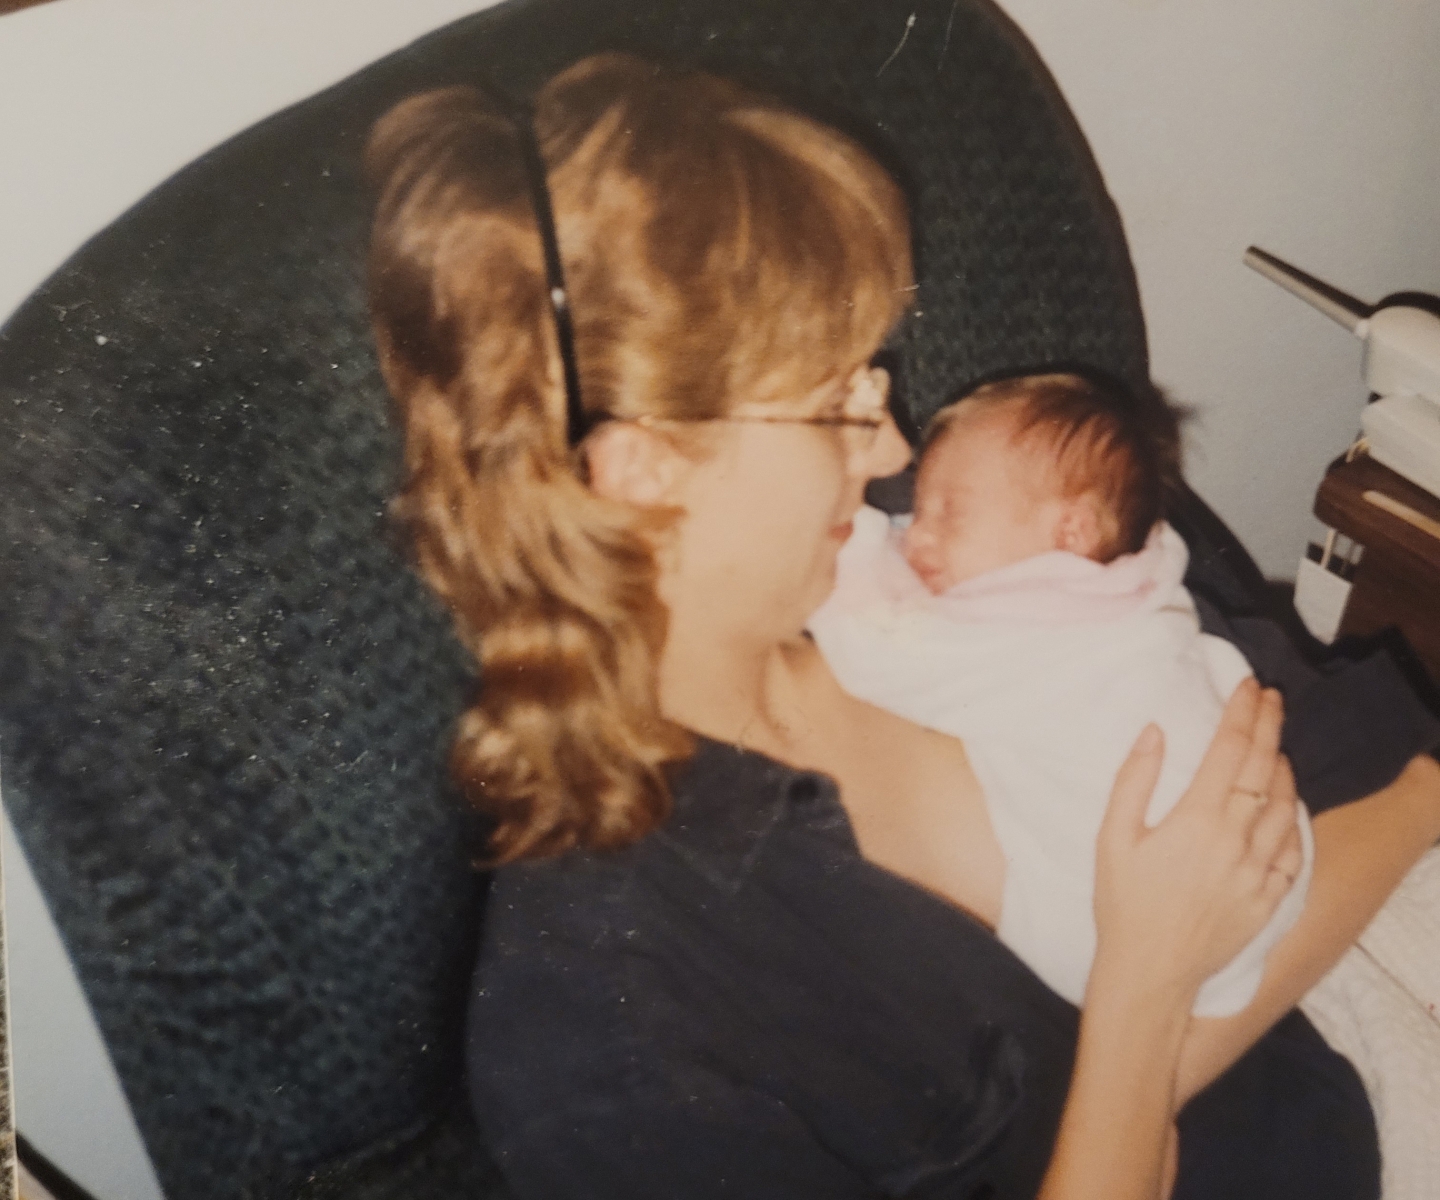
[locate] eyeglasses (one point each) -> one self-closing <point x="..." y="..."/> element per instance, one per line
<point x="858" y="434"/>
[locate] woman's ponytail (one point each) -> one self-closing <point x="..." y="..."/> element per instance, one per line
<point x="552" y="587"/>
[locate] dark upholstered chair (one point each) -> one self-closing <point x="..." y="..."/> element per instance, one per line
<point x="223" y="698"/>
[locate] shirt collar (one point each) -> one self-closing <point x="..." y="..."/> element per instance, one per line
<point x="729" y="802"/>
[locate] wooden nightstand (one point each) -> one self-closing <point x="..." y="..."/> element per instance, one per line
<point x="1397" y="584"/>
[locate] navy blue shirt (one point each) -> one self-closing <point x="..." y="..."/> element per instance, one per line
<point x="741" y="1005"/>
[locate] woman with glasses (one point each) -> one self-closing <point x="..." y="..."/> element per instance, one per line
<point x="739" y="942"/>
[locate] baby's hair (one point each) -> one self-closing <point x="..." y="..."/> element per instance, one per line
<point x="1103" y="439"/>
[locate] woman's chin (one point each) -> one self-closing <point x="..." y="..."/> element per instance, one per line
<point x="824" y="584"/>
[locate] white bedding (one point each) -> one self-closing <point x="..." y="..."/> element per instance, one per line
<point x="1379" y="1008"/>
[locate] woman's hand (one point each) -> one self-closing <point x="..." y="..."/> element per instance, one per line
<point x="1362" y="850"/>
<point x="1174" y="903"/>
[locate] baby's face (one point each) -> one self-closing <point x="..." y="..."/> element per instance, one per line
<point x="981" y="502"/>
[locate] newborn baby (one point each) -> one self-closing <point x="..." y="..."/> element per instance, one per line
<point x="1034" y="607"/>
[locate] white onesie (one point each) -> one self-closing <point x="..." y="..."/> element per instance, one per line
<point x="1049" y="669"/>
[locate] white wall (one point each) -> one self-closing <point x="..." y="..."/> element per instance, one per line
<point x="102" y="100"/>
<point x="1308" y="127"/>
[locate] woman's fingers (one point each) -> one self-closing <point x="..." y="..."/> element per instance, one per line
<point x="1275" y="817"/>
<point x="1239" y="771"/>
<point x="1275" y="844"/>
<point x="1281" y="874"/>
<point x="1134" y="785"/>
<point x="1291" y="859"/>
<point x="1205" y="879"/>
<point x="1195" y="888"/>
<point x="1262" y="801"/>
<point x="1275" y="841"/>
<point x="1257" y="771"/>
<point x="1230" y="748"/>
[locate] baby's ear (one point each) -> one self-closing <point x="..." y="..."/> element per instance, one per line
<point x="1083" y="526"/>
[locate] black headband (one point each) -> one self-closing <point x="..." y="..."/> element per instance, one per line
<point x="577" y="422"/>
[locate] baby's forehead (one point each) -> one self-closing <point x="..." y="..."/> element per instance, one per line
<point x="976" y="469"/>
<point x="972" y="416"/>
<point x="995" y="429"/>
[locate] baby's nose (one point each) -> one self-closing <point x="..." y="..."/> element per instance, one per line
<point x="922" y="550"/>
<point x="916" y="541"/>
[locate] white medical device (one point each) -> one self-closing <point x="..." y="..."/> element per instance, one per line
<point x="1401" y="367"/>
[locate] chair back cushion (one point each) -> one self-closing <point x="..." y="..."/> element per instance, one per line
<point x="224" y="700"/>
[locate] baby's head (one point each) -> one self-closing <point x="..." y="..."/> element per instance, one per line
<point x="1039" y="463"/>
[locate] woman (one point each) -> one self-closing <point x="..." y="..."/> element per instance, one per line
<point x="741" y="944"/>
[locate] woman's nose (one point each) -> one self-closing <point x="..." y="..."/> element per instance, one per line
<point x="890" y="452"/>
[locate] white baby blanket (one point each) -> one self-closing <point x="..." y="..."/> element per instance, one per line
<point x="1048" y="670"/>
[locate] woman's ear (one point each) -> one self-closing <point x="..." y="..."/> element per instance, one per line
<point x="633" y="464"/>
<point x="869" y="389"/>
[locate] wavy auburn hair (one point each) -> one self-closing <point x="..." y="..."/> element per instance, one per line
<point x="716" y="246"/>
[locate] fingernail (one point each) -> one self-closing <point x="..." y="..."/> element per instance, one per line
<point x="1149" y="740"/>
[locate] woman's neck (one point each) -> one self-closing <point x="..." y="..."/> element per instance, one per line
<point x="737" y="690"/>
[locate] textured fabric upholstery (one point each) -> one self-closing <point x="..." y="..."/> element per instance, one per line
<point x="223" y="699"/>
